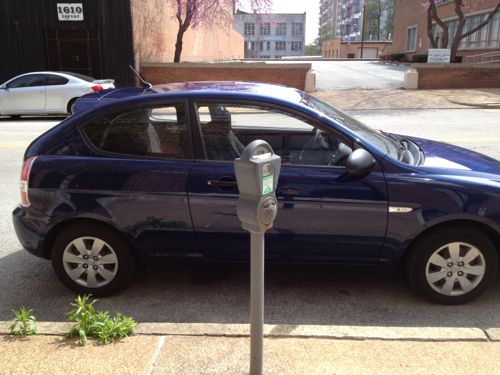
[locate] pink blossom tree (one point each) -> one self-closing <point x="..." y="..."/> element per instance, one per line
<point x="205" y="14"/>
<point x="460" y="5"/>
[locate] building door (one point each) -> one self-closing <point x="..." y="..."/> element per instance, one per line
<point x="75" y="51"/>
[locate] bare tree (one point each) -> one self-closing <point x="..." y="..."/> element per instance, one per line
<point x="432" y="15"/>
<point x="206" y="14"/>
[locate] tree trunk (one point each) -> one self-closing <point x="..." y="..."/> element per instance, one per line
<point x="178" y="45"/>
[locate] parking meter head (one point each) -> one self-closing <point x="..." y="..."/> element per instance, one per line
<point x="257" y="173"/>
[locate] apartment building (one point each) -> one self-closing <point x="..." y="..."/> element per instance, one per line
<point x="410" y="27"/>
<point x="273" y="35"/>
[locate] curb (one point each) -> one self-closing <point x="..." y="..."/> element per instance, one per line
<point x="479" y="105"/>
<point x="294" y="331"/>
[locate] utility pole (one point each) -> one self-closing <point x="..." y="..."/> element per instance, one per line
<point x="363" y="31"/>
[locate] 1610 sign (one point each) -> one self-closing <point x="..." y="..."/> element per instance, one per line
<point x="70" y="11"/>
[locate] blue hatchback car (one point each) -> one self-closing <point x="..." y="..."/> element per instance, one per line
<point x="140" y="175"/>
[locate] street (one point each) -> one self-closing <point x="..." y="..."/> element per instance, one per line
<point x="219" y="293"/>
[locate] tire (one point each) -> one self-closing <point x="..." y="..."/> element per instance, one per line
<point x="70" y="106"/>
<point x="452" y="266"/>
<point x="91" y="275"/>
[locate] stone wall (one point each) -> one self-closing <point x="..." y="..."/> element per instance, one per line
<point x="293" y="75"/>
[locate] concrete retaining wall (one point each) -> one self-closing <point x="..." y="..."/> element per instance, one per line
<point x="291" y="74"/>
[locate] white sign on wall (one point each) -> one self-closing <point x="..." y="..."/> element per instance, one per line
<point x="70" y="11"/>
<point x="438" y="56"/>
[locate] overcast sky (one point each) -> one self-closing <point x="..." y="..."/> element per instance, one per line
<point x="311" y="7"/>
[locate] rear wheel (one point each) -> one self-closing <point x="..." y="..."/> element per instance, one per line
<point x="92" y="259"/>
<point x="453" y="266"/>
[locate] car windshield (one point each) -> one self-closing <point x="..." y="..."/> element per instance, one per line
<point x="376" y="137"/>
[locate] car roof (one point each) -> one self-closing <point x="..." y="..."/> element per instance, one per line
<point x="207" y="89"/>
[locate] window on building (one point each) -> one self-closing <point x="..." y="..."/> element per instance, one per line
<point x="249" y="28"/>
<point x="268" y="46"/>
<point x="265" y="28"/>
<point x="261" y="46"/>
<point x="411" y="39"/>
<point x="251" y="46"/>
<point x="280" y="46"/>
<point x="152" y="132"/>
<point x="281" y="28"/>
<point x="297" y="28"/>
<point x="296" y="46"/>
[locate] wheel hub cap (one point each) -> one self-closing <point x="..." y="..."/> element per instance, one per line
<point x="455" y="269"/>
<point x="90" y="262"/>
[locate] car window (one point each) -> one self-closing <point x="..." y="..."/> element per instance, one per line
<point x="227" y="128"/>
<point x="151" y="132"/>
<point x="54" y="80"/>
<point x="30" y="80"/>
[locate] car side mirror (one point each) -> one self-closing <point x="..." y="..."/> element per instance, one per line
<point x="359" y="163"/>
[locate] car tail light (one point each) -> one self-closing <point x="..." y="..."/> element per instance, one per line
<point x="97" y="88"/>
<point x="25" y="178"/>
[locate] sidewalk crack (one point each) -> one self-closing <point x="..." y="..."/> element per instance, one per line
<point x="156" y="354"/>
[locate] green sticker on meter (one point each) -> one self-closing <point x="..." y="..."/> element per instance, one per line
<point x="267" y="184"/>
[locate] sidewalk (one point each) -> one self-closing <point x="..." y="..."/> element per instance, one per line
<point x="224" y="349"/>
<point x="346" y="100"/>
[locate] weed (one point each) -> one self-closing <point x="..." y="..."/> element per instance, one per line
<point x="89" y="323"/>
<point x="24" y="323"/>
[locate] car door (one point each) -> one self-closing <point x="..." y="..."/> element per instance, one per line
<point x="324" y="214"/>
<point x="58" y="93"/>
<point x="25" y="94"/>
<point x="139" y="177"/>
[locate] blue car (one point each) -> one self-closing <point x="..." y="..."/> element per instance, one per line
<point x="137" y="176"/>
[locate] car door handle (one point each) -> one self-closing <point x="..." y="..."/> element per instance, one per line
<point x="222" y="183"/>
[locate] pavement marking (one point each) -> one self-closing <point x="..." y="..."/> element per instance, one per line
<point x="14" y="145"/>
<point x="156" y="354"/>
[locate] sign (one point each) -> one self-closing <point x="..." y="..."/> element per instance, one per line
<point x="438" y="56"/>
<point x="70" y="11"/>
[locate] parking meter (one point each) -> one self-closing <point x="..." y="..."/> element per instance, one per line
<point x="257" y="172"/>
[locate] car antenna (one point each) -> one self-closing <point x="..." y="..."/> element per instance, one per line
<point x="145" y="84"/>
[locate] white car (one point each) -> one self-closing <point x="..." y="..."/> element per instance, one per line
<point x="46" y="92"/>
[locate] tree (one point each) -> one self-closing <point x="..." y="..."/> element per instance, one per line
<point x="206" y="14"/>
<point x="460" y="5"/>
<point x="379" y="19"/>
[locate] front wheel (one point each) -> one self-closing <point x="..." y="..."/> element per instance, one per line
<point x="453" y="266"/>
<point x="92" y="259"/>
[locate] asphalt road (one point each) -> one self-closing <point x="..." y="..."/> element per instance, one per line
<point x="345" y="75"/>
<point x="220" y="293"/>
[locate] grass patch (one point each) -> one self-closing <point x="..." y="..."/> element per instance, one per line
<point x="24" y="323"/>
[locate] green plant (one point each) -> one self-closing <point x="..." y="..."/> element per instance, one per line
<point x="24" y="323"/>
<point x="100" y="325"/>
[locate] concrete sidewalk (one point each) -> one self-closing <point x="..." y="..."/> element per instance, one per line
<point x="346" y="100"/>
<point x="224" y="349"/>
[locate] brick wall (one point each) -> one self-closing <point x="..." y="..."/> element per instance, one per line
<point x="457" y="76"/>
<point x="292" y="75"/>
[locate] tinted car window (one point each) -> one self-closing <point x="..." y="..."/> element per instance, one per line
<point x="54" y="80"/>
<point x="227" y="129"/>
<point x="30" y="80"/>
<point x="151" y="132"/>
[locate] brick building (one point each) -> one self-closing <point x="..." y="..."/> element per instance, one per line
<point x="410" y="27"/>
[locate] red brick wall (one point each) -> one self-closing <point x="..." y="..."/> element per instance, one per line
<point x="292" y="75"/>
<point x="432" y="76"/>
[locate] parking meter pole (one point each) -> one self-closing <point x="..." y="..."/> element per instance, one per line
<point x="257" y="172"/>
<point x="256" y="302"/>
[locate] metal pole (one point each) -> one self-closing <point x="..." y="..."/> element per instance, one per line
<point x="256" y="302"/>
<point x="363" y="31"/>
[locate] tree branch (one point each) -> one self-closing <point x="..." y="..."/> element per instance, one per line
<point x="482" y="24"/>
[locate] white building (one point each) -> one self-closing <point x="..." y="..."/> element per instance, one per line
<point x="273" y="35"/>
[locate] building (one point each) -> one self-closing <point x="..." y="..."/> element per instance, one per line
<point x="101" y="38"/>
<point x="349" y="19"/>
<point x="410" y="27"/>
<point x="327" y="19"/>
<point x="273" y="35"/>
<point x="336" y="49"/>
